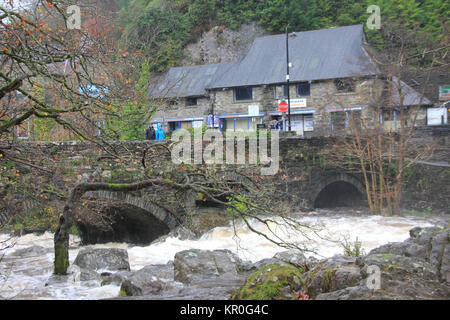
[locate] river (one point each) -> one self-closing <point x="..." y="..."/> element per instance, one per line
<point x="25" y="276"/>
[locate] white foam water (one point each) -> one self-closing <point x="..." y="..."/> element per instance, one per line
<point x="24" y="277"/>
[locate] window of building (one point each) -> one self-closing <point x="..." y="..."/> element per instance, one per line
<point x="343" y="122"/>
<point x="281" y="92"/>
<point x="243" y="94"/>
<point x="191" y="102"/>
<point x="388" y="115"/>
<point x="389" y="119"/>
<point x="303" y="89"/>
<point x="338" y="121"/>
<point x="345" y="85"/>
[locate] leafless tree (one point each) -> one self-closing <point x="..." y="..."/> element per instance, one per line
<point x="382" y="153"/>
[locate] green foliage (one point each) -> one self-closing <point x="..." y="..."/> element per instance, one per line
<point x="426" y="212"/>
<point x="353" y="249"/>
<point x="239" y="203"/>
<point x="157" y="30"/>
<point x="161" y="28"/>
<point x="131" y="124"/>
<point x="73" y="230"/>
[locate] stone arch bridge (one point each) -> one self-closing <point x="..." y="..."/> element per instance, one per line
<point x="303" y="174"/>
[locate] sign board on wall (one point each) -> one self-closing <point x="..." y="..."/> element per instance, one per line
<point x="253" y="110"/>
<point x="444" y="93"/>
<point x="436" y="116"/>
<point x="296" y="125"/>
<point x="197" y="124"/>
<point x="296" y="103"/>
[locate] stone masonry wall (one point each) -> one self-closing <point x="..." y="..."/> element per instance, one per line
<point x="301" y="173"/>
<point x="323" y="95"/>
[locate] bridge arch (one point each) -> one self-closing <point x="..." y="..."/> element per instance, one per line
<point x="132" y="219"/>
<point x="337" y="190"/>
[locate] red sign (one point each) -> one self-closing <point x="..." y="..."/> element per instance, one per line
<point x="283" y="106"/>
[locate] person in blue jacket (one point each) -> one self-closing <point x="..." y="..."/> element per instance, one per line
<point x="159" y="134"/>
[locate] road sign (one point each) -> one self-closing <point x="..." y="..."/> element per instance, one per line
<point x="283" y="106"/>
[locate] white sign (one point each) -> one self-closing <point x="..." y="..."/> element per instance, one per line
<point x="197" y="124"/>
<point x="253" y="110"/>
<point x="436" y="116"/>
<point x="296" y="103"/>
<point x="297" y="126"/>
<point x="309" y="123"/>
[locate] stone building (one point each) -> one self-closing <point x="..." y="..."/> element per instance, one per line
<point x="332" y="77"/>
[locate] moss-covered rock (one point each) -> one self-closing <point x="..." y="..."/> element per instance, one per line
<point x="273" y="282"/>
<point x="335" y="273"/>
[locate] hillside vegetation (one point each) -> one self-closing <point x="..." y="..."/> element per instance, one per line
<point x="160" y="29"/>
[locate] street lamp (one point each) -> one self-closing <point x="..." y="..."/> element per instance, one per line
<point x="287" y="79"/>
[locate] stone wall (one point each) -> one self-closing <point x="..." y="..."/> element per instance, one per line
<point x="179" y="108"/>
<point x="302" y="174"/>
<point x="323" y="95"/>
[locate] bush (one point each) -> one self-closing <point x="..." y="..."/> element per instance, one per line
<point x="353" y="249"/>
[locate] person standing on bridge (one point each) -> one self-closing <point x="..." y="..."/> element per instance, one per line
<point x="150" y="133"/>
<point x="160" y="133"/>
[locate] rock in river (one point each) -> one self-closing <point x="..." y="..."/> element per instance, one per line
<point x="111" y="259"/>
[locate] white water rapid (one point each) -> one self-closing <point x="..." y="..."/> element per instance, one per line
<point x="24" y="277"/>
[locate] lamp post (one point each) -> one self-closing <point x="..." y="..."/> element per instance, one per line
<point x="287" y="79"/>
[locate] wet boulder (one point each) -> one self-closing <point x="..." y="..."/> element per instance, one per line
<point x="294" y="257"/>
<point x="143" y="282"/>
<point x="105" y="259"/>
<point x="440" y="254"/>
<point x="429" y="244"/>
<point x="194" y="266"/>
<point x="401" y="278"/>
<point x="417" y="268"/>
<point x="335" y="273"/>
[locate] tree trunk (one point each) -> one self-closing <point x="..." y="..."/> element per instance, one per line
<point x="61" y="241"/>
<point x="61" y="238"/>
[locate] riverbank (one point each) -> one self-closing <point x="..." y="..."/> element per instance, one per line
<point x="24" y="274"/>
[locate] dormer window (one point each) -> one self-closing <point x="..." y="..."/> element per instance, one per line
<point x="345" y="85"/>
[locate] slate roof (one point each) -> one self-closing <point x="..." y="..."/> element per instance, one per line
<point x="315" y="55"/>
<point x="190" y="81"/>
<point x="410" y="96"/>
